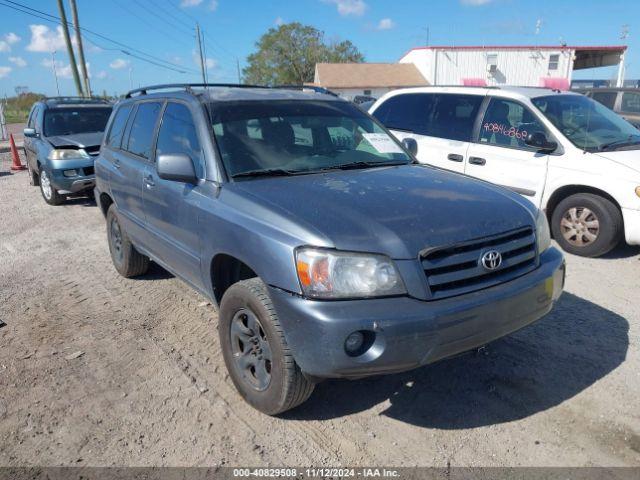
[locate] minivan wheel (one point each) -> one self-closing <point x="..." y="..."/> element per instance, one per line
<point x="126" y="259"/>
<point x="49" y="193"/>
<point x="587" y="225"/>
<point x="255" y="351"/>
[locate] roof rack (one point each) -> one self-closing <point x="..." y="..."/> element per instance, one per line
<point x="72" y="99"/>
<point x="189" y="87"/>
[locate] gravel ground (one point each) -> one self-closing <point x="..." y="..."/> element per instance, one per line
<point x="99" y="370"/>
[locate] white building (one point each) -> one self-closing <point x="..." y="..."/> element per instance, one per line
<point x="550" y="66"/>
<point x="370" y="79"/>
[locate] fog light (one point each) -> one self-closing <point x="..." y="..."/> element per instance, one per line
<point x="354" y="342"/>
<point x="70" y="173"/>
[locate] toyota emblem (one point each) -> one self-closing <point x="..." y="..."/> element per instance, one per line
<point x="491" y="260"/>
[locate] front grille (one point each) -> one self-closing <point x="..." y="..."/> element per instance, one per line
<point x="457" y="269"/>
<point x="94" y="150"/>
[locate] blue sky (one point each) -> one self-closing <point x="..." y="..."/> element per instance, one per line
<point x="382" y="30"/>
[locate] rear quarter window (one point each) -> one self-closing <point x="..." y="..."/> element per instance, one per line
<point x="406" y="112"/>
<point x="114" y="137"/>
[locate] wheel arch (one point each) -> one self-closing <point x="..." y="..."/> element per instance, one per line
<point x="567" y="190"/>
<point x="225" y="270"/>
<point x="104" y="202"/>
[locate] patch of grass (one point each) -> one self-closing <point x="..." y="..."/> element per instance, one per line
<point x="19" y="116"/>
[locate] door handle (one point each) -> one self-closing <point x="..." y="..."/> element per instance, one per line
<point x="148" y="181"/>
<point x="454" y="157"/>
<point x="477" y="161"/>
<point x="116" y="163"/>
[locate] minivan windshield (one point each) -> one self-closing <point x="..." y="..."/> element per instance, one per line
<point x="69" y="121"/>
<point x="288" y="137"/>
<point x="588" y="124"/>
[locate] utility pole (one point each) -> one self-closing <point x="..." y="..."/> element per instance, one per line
<point x="67" y="41"/>
<point x="238" y="68"/>
<point x="55" y="72"/>
<point x="83" y="63"/>
<point x="204" y="77"/>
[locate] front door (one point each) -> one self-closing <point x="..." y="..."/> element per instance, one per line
<point x="172" y="207"/>
<point x="501" y="156"/>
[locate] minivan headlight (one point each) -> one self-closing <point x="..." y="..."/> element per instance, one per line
<point x="333" y="274"/>
<point x="543" y="235"/>
<point x="68" y="154"/>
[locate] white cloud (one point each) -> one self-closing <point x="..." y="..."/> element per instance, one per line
<point x="101" y="75"/>
<point x="279" y="21"/>
<point x="190" y="3"/>
<point x="475" y="3"/>
<point x="4" y="46"/>
<point x="386" y="24"/>
<point x="18" y="61"/>
<point x="11" y="38"/>
<point x="349" y="7"/>
<point x="63" y="70"/>
<point x="213" y="5"/>
<point x="119" y="63"/>
<point x="209" y="62"/>
<point x="4" y="71"/>
<point x="44" y="39"/>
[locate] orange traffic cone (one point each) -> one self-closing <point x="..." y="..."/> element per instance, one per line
<point x="16" y="158"/>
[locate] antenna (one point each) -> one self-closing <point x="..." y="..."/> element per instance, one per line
<point x="624" y="33"/>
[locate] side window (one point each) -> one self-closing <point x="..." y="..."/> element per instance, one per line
<point x="630" y="102"/>
<point x="406" y="112"/>
<point x="114" y="137"/>
<point x="32" y="117"/>
<point x="608" y="99"/>
<point x="553" y="61"/>
<point x="507" y="124"/>
<point x="453" y="116"/>
<point x="141" y="132"/>
<point x="178" y="134"/>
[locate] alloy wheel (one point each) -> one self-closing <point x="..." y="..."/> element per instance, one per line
<point x="116" y="240"/>
<point x="45" y="184"/>
<point x="251" y="350"/>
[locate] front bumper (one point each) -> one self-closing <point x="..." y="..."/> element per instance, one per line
<point x="410" y="332"/>
<point x="77" y="183"/>
<point x="631" y="226"/>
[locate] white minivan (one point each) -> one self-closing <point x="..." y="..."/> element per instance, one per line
<point x="566" y="153"/>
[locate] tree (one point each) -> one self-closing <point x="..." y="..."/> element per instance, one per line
<point x="287" y="55"/>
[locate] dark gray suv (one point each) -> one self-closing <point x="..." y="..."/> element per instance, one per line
<point x="328" y="250"/>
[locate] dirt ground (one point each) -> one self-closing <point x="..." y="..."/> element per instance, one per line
<point x="99" y="370"/>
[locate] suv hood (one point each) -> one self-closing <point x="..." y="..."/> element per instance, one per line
<point x="627" y="158"/>
<point x="397" y="211"/>
<point x="79" y="140"/>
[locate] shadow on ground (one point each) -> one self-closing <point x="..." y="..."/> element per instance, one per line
<point x="530" y="371"/>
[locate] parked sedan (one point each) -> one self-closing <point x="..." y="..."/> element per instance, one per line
<point x="62" y="138"/>
<point x="623" y="101"/>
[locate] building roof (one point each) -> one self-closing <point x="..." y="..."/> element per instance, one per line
<point x="368" y="75"/>
<point x="617" y="48"/>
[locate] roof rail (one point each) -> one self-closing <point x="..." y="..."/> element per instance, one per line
<point x="76" y="99"/>
<point x="189" y="87"/>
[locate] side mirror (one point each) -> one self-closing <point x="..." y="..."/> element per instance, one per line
<point x="30" y="132"/>
<point x="177" y="167"/>
<point x="411" y="145"/>
<point x="539" y="141"/>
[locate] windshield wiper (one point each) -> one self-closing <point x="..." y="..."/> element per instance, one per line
<point x="619" y="143"/>
<point x="269" y="172"/>
<point x="356" y="165"/>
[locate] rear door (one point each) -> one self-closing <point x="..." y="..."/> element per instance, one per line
<point x="500" y="154"/>
<point x="129" y="163"/>
<point x="441" y="123"/>
<point x="171" y="207"/>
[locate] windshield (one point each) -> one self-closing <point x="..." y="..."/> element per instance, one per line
<point x="588" y="124"/>
<point x="294" y="137"/>
<point x="68" y="121"/>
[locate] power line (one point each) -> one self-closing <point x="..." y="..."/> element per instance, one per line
<point x="54" y="19"/>
<point x="170" y="14"/>
<point x="161" y="18"/>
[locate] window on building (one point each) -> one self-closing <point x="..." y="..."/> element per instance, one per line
<point x="630" y="102"/>
<point x="608" y="99"/>
<point x="141" y="134"/>
<point x="554" y="60"/>
<point x="366" y="92"/>
<point x="178" y="134"/>
<point x="507" y="124"/>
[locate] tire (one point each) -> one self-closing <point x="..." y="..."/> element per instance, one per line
<point x="49" y="193"/>
<point x="286" y="386"/>
<point x="126" y="259"/>
<point x="587" y="225"/>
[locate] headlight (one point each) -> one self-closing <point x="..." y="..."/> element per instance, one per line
<point x="68" y="154"/>
<point x="542" y="232"/>
<point x="334" y="274"/>
<point x="638" y="191"/>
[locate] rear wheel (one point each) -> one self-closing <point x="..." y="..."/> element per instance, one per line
<point x="34" y="180"/>
<point x="255" y="351"/>
<point x="49" y="193"/>
<point x="126" y="259"/>
<point x="587" y="225"/>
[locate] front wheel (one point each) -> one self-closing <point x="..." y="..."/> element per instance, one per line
<point x="255" y="350"/>
<point x="587" y="225"/>
<point x="126" y="259"/>
<point x="49" y="193"/>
